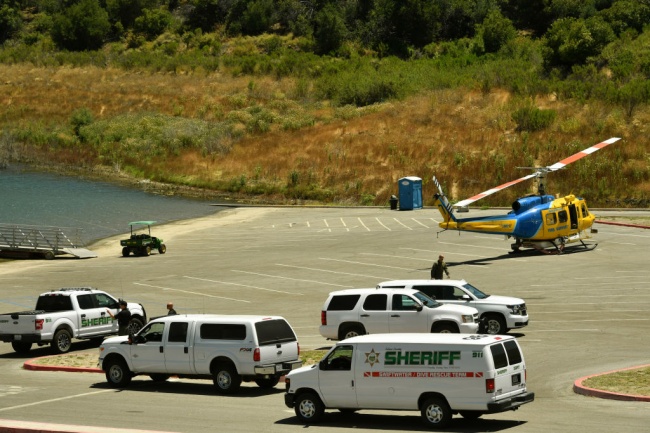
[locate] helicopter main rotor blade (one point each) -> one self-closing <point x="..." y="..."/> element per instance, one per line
<point x="465" y="202"/>
<point x="541" y="171"/>
<point x="581" y="154"/>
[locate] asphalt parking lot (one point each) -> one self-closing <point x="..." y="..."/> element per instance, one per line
<point x="588" y="314"/>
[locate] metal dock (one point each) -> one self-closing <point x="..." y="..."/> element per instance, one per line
<point x="41" y="242"/>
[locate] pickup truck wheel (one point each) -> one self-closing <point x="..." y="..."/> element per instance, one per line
<point x="267" y="382"/>
<point x="226" y="379"/>
<point x="494" y="325"/>
<point x="159" y="377"/>
<point x="21" y="346"/>
<point x="350" y="331"/>
<point x="134" y="325"/>
<point x="162" y="249"/>
<point x="125" y="252"/>
<point x="117" y="373"/>
<point x="435" y="412"/>
<point x="309" y="409"/>
<point x="62" y="341"/>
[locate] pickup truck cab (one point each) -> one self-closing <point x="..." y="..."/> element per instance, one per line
<point x="226" y="349"/>
<point x="352" y="312"/>
<point x="63" y="314"/>
<point x="499" y="314"/>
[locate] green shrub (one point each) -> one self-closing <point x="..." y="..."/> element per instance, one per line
<point x="533" y="119"/>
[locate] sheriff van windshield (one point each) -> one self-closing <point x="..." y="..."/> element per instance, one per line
<point x="421" y="358"/>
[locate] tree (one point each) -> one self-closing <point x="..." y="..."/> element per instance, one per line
<point x="258" y="17"/>
<point x="329" y="30"/>
<point x="82" y="26"/>
<point x="10" y="21"/>
<point x="572" y="40"/>
<point x="495" y="31"/>
<point x="153" y="22"/>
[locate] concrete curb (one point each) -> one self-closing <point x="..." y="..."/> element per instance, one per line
<point x="30" y="365"/>
<point x="15" y="426"/>
<point x="579" y="388"/>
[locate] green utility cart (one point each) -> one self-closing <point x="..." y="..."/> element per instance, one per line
<point x="140" y="243"/>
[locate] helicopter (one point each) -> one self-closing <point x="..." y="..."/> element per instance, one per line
<point x="539" y="221"/>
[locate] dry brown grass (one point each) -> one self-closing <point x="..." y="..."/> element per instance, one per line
<point x="466" y="138"/>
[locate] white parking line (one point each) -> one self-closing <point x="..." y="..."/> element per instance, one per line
<point x="240" y="285"/>
<point x="382" y="224"/>
<point x="365" y="226"/>
<point x="365" y="264"/>
<point x="333" y="272"/>
<point x="4" y="409"/>
<point x="193" y="293"/>
<point x="423" y="225"/>
<point x="399" y="222"/>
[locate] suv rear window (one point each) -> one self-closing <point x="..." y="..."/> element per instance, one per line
<point x="343" y="302"/>
<point x="54" y="303"/>
<point x="274" y="331"/>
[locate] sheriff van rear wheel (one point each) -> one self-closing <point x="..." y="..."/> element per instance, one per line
<point x="309" y="409"/>
<point x="435" y="412"/>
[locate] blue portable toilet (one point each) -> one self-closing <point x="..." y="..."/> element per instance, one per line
<point x="410" y="193"/>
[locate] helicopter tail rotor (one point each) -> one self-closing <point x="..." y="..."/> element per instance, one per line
<point x="441" y="202"/>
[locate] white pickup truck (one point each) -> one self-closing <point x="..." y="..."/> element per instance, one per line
<point x="60" y="315"/>
<point x="228" y="349"/>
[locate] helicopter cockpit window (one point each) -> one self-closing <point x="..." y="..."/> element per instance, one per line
<point x="584" y="211"/>
<point x="563" y="216"/>
<point x="550" y="219"/>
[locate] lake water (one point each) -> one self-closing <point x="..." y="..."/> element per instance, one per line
<point x="100" y="209"/>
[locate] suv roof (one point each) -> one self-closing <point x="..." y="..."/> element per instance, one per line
<point x="371" y="290"/>
<point x="396" y="284"/>
<point x="69" y="290"/>
<point x="246" y="318"/>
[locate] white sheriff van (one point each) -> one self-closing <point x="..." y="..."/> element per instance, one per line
<point x="352" y="312"/>
<point x="438" y="374"/>
<point x="226" y="349"/>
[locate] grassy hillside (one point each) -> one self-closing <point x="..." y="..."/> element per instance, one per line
<point x="280" y="147"/>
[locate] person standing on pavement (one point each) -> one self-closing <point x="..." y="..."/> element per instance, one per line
<point x="438" y="268"/>
<point x="123" y="318"/>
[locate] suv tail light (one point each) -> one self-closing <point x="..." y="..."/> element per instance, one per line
<point x="38" y="325"/>
<point x="489" y="386"/>
<point x="256" y="355"/>
<point x="323" y="318"/>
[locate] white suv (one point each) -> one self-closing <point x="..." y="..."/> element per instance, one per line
<point x="499" y="314"/>
<point x="348" y="313"/>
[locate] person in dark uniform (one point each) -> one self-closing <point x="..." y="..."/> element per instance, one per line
<point x="170" y="309"/>
<point x="438" y="268"/>
<point x="123" y="318"/>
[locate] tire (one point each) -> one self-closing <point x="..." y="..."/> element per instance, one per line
<point x="350" y="331"/>
<point x="435" y="413"/>
<point x="125" y="252"/>
<point x="347" y="411"/>
<point x="48" y="255"/>
<point x="267" y="383"/>
<point x="470" y="414"/>
<point x="118" y="374"/>
<point x="62" y="341"/>
<point x="135" y="324"/>
<point x="21" y="346"/>
<point x="309" y="409"/>
<point x="162" y="249"/>
<point x="147" y="250"/>
<point x="226" y="379"/>
<point x="494" y="325"/>
<point x="444" y="328"/>
<point x="159" y="377"/>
